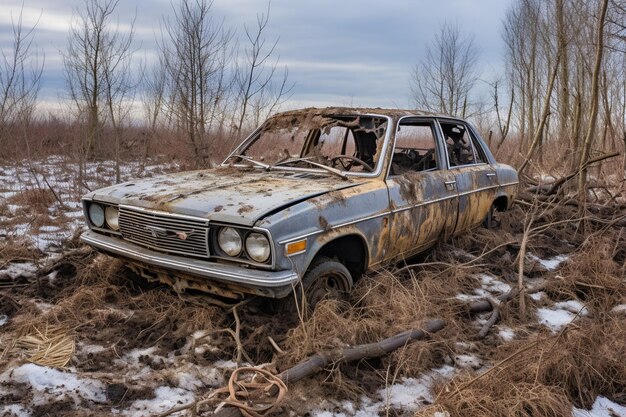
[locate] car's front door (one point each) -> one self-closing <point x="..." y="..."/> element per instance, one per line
<point x="422" y="193"/>
<point x="476" y="180"/>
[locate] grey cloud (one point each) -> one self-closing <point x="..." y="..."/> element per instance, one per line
<point x="357" y="52"/>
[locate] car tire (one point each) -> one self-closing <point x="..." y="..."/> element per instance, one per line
<point x="326" y="278"/>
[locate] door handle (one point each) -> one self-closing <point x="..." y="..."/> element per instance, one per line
<point x="450" y="185"/>
<point x="491" y="174"/>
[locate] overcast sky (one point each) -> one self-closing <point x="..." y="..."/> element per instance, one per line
<point x="351" y="52"/>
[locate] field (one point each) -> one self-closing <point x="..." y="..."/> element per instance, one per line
<point x="534" y="311"/>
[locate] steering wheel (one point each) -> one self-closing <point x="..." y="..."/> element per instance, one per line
<point x="352" y="159"/>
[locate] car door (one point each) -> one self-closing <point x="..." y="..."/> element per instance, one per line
<point x="422" y="193"/>
<point x="476" y="180"/>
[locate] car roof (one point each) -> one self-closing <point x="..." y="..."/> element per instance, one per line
<point x="310" y="112"/>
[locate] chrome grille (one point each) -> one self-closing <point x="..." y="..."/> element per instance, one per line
<point x="165" y="233"/>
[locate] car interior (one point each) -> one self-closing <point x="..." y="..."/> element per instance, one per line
<point x="415" y="149"/>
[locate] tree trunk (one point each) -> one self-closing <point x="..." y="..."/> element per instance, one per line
<point x="589" y="136"/>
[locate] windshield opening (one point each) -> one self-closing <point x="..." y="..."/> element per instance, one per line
<point x="348" y="143"/>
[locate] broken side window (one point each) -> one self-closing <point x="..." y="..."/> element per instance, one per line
<point x="415" y="148"/>
<point x="461" y="145"/>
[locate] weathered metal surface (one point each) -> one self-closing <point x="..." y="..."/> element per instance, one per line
<point x="224" y="194"/>
<point x="390" y="216"/>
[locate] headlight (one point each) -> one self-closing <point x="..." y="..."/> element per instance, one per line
<point x="229" y="241"/>
<point x="112" y="216"/>
<point x="96" y="214"/>
<point x="258" y="247"/>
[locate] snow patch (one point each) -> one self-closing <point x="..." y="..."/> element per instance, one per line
<point x="3" y="319"/>
<point x="26" y="269"/>
<point x="87" y="349"/>
<point x="410" y="393"/>
<point x="537" y="296"/>
<point x="53" y="383"/>
<point x="554" y="319"/>
<point x="467" y="361"/>
<point x="165" y="399"/>
<point x="621" y="308"/>
<point x="506" y="333"/>
<point x="602" y="407"/>
<point x="549" y="264"/>
<point x="573" y="306"/>
<point x="491" y="284"/>
<point x="14" y="410"/>
<point x="561" y="314"/>
<point x="191" y="377"/>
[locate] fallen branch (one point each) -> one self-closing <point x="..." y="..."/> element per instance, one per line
<point x="561" y="181"/>
<point x="495" y="316"/>
<point x="321" y="361"/>
<point x="484" y="306"/>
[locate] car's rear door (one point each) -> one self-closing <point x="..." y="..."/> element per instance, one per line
<point x="422" y="192"/>
<point x="476" y="180"/>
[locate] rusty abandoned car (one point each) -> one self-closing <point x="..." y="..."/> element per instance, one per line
<point x="313" y="197"/>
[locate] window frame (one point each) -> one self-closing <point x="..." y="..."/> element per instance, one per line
<point x="437" y="136"/>
<point x="473" y="141"/>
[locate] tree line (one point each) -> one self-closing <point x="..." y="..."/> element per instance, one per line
<point x="206" y="86"/>
<point x="563" y="89"/>
<point x="564" y="85"/>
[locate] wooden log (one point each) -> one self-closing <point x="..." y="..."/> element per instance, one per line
<point x="495" y="316"/>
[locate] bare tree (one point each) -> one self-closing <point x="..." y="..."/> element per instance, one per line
<point x="503" y="127"/>
<point x="119" y="87"/>
<point x="96" y="67"/>
<point x="527" y="63"/>
<point x="195" y="54"/>
<point x="444" y="80"/>
<point x="153" y="100"/>
<point x="254" y="78"/>
<point x="20" y="76"/>
<point x="593" y="112"/>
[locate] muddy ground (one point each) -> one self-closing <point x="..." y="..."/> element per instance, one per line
<point x="114" y="344"/>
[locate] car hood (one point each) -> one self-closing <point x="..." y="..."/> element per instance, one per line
<point x="224" y="194"/>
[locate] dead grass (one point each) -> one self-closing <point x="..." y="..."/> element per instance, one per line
<point x="35" y="199"/>
<point x="543" y="375"/>
<point x="47" y="346"/>
<point x="101" y="305"/>
<point x="17" y="250"/>
<point x="592" y="275"/>
<point x="383" y="305"/>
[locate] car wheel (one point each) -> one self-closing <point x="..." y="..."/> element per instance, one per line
<point x="326" y="279"/>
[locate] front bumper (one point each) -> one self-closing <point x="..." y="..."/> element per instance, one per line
<point x="274" y="284"/>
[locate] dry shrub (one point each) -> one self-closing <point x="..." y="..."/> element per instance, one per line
<point x="4" y="209"/>
<point x="18" y="249"/>
<point x="384" y="305"/>
<point x="103" y="301"/>
<point x="502" y="397"/>
<point x="591" y="275"/>
<point x="34" y="199"/>
<point x="588" y="361"/>
<point x="544" y="376"/>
